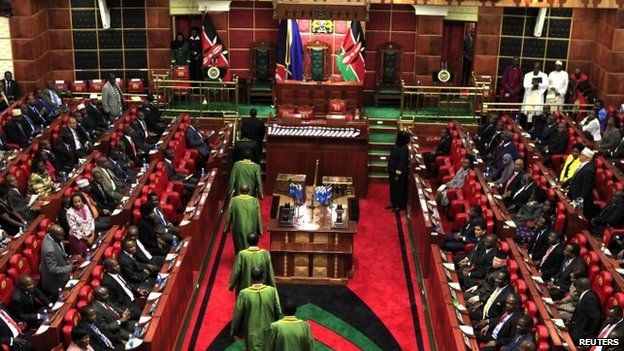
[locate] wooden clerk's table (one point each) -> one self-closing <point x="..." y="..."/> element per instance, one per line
<point x="311" y="251"/>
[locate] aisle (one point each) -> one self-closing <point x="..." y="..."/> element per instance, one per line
<point x="380" y="309"/>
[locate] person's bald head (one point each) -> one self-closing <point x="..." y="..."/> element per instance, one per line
<point x="132" y="231"/>
<point x="252" y="239"/>
<point x="257" y="274"/>
<point x="56" y="232"/>
<point x="45" y="144"/>
<point x="527" y="345"/>
<point x="11" y="180"/>
<point x="26" y="283"/>
<point x="102" y="160"/>
<point x="518" y="165"/>
<point x="244" y="189"/>
<point x="111" y="265"/>
<point x="101" y="293"/>
<point x="72" y="122"/>
<point x="524" y="324"/>
<point x="582" y="284"/>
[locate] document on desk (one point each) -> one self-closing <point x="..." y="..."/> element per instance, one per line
<point x="32" y="200"/>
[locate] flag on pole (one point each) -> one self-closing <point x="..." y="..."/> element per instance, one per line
<point x="289" y="59"/>
<point x="351" y="57"/>
<point x="214" y="52"/>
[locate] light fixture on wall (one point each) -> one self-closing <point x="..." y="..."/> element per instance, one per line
<point x="213" y="5"/>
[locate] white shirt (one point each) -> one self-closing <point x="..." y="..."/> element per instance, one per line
<point x="142" y="248"/>
<point x="144" y="127"/>
<point x="605" y="333"/>
<point x="558" y="81"/>
<point x="500" y="325"/>
<point x="76" y="139"/>
<point x="14" y="331"/>
<point x="123" y="284"/>
<point x="593" y="128"/>
<point x="105" y="174"/>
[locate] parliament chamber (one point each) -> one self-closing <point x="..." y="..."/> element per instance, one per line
<point x="295" y="175"/>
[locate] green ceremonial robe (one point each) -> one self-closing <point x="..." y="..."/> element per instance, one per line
<point x="244" y="218"/>
<point x="288" y="334"/>
<point x="256" y="308"/>
<point x="245" y="261"/>
<point x="246" y="172"/>
<point x="180" y="56"/>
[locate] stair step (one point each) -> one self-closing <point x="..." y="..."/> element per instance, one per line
<point x="378" y="175"/>
<point x="377" y="164"/>
<point x="377" y="152"/>
<point x="387" y="128"/>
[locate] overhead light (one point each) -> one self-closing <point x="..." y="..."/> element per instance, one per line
<point x="213" y="5"/>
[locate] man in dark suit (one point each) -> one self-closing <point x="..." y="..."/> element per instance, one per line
<point x="523" y="335"/>
<point x="17" y="200"/>
<point x="95" y="114"/>
<point x="55" y="266"/>
<point x="443" y="149"/>
<point x="144" y="143"/>
<point x="153" y="116"/>
<point x="253" y="128"/>
<point x="550" y="263"/>
<point x="134" y="272"/>
<point x="479" y="264"/>
<point x="515" y="181"/>
<point x="122" y="294"/>
<point x="147" y="231"/>
<point x="478" y="294"/>
<point x="457" y="241"/>
<point x="487" y="128"/>
<point x="618" y="151"/>
<point x="134" y="153"/>
<point x="581" y="184"/>
<point x="66" y="153"/>
<point x="585" y="322"/>
<point x="144" y="129"/>
<point x="12" y="332"/>
<point x="613" y="322"/>
<point x="10" y="87"/>
<point x="539" y="245"/>
<point x="77" y="137"/>
<point x="17" y="130"/>
<point x="161" y="219"/>
<point x="522" y="195"/>
<point x="121" y="165"/>
<point x="46" y="147"/>
<point x="494" y="306"/>
<point x="142" y="253"/>
<point x="102" y="198"/>
<point x="189" y="182"/>
<point x="195" y="140"/>
<point x="548" y="132"/>
<point x="560" y="283"/>
<point x="101" y="339"/>
<point x="488" y="144"/>
<point x="557" y="144"/>
<point x="612" y="215"/>
<point x="28" y="303"/>
<point x="36" y="114"/>
<point x="87" y="124"/>
<point x="499" y="331"/>
<point x="114" y="320"/>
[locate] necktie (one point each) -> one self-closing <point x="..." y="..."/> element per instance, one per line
<point x="490" y="302"/>
<point x="567" y="169"/>
<point x="111" y="310"/>
<point x="510" y="180"/>
<point x="5" y="316"/>
<point x="134" y="151"/>
<point x="566" y="264"/>
<point x="102" y="337"/>
<point x="550" y="249"/>
<point x="30" y="123"/>
<point x="110" y="179"/>
<point x="499" y="325"/>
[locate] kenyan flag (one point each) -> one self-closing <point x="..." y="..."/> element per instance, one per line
<point x="351" y="57"/>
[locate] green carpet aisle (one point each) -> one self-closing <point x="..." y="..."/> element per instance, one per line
<point x="379" y="310"/>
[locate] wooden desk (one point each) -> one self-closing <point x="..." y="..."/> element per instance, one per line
<point x="318" y="94"/>
<point x="338" y="156"/>
<point x="311" y="251"/>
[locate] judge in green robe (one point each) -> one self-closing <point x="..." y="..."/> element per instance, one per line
<point x="244" y="218"/>
<point x="247" y="259"/>
<point x="247" y="172"/>
<point x="179" y="51"/>
<point x="256" y="308"/>
<point x="290" y="333"/>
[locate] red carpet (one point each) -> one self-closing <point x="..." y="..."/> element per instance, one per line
<point x="380" y="280"/>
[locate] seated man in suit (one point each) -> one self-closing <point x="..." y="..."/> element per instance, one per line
<point x="28" y="304"/>
<point x="498" y="332"/>
<point x="18" y="131"/>
<point x="587" y="317"/>
<point x="612" y="215"/>
<point x="99" y="194"/>
<point x="170" y="229"/>
<point x="100" y="338"/>
<point x="18" y="201"/>
<point x="121" y="294"/>
<point x="512" y="185"/>
<point x="143" y="255"/>
<point x="560" y="283"/>
<point x="76" y="137"/>
<point x="494" y="306"/>
<point x="86" y="123"/>
<point x="34" y="124"/>
<point x="543" y="137"/>
<point x="189" y="182"/>
<point x="478" y="264"/>
<point x="121" y="165"/>
<point x="443" y="149"/>
<point x="478" y="294"/>
<point x="114" y="320"/>
<point x="613" y="322"/>
<point x="66" y="153"/>
<point x="52" y="96"/>
<point x="144" y="129"/>
<point x="148" y="235"/>
<point x="142" y="142"/>
<point x="137" y="274"/>
<point x="538" y="246"/>
<point x="55" y="266"/>
<point x="521" y="196"/>
<point x="37" y="114"/>
<point x="196" y="140"/>
<point x="466" y="235"/>
<point x="523" y="338"/>
<point x="46" y="147"/>
<point x="487" y="128"/>
<point x="134" y="153"/>
<point x="153" y="118"/>
<point x="115" y="187"/>
<point x="12" y="332"/>
<point x="506" y="146"/>
<point x="96" y="115"/>
<point x="550" y="262"/>
<point x="557" y="144"/>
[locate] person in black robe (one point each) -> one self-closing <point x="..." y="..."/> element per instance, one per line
<point x="397" y="172"/>
<point x="196" y="55"/>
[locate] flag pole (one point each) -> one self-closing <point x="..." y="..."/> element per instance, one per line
<point x="312" y="201"/>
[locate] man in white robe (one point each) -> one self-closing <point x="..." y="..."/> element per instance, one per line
<point x="557" y="87"/>
<point x="535" y="85"/>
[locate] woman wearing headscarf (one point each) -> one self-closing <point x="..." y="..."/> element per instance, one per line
<point x="507" y="171"/>
<point x="455" y="183"/>
<point x="180" y="51"/>
<point x="397" y="172"/>
<point x="40" y="182"/>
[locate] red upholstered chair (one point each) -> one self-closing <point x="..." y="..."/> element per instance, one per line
<point x="616" y="300"/>
<point x="32" y="253"/>
<point x="181" y="73"/>
<point x="560" y="218"/>
<point x="135" y="85"/>
<point x="337" y="106"/>
<point x="602" y="285"/>
<point x="70" y="321"/>
<point x="541" y="338"/>
<point x="95" y="85"/>
<point x="96" y="275"/>
<point x="18" y="265"/>
<point x="285" y="109"/>
<point x="85" y="296"/>
<point x="110" y="252"/>
<point x="6" y="289"/>
<point x="306" y="112"/>
<point x="521" y="288"/>
<point x="78" y="86"/>
<point x="60" y="85"/>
